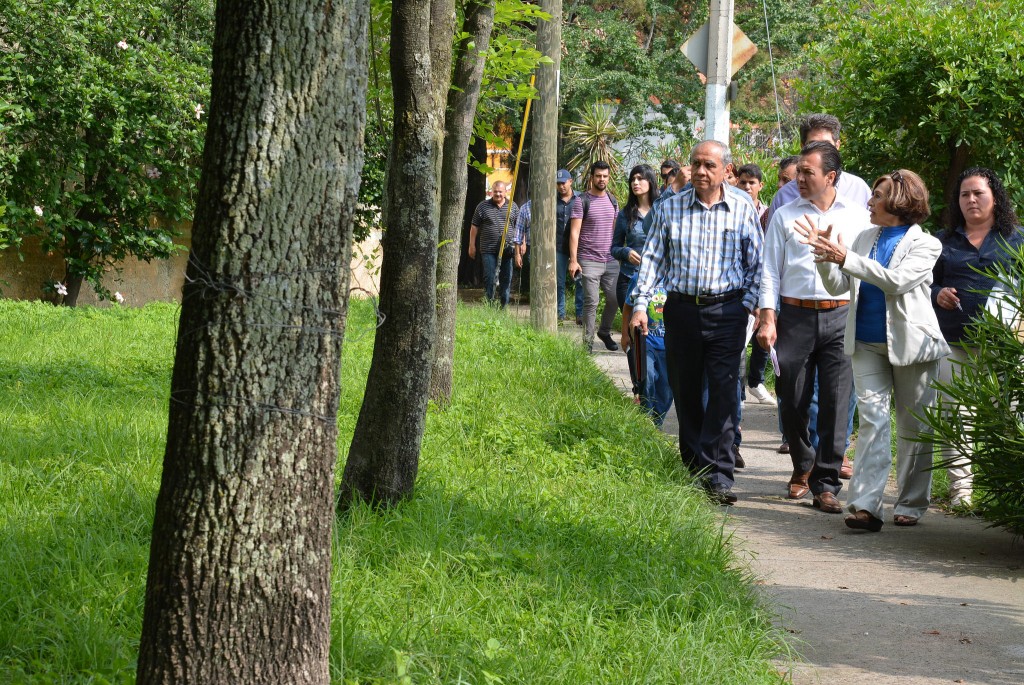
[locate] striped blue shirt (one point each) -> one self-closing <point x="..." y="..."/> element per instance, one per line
<point x="699" y="250"/>
<point x="522" y="230"/>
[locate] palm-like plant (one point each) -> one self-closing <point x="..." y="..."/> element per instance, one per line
<point x="593" y="138"/>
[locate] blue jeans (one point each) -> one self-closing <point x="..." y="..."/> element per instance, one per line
<point x="490" y="262"/>
<point x="656" y="398"/>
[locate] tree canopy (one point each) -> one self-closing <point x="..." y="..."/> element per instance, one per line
<point x="932" y="86"/>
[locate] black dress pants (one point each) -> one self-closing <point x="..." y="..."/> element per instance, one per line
<point x="705" y="340"/>
<point x="811" y="341"/>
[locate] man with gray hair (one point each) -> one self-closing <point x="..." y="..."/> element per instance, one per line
<point x="704" y="248"/>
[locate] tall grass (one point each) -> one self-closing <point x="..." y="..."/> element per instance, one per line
<point x="552" y="537"/>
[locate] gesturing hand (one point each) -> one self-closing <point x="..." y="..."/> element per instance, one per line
<point x="820" y="242"/>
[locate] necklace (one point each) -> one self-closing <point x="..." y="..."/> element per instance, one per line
<point x="873" y="254"/>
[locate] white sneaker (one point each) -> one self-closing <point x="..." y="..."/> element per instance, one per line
<point x="761" y="394"/>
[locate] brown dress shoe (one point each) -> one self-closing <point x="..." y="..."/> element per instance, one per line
<point x="783" y="448"/>
<point x="846" y="470"/>
<point x="798" y="486"/>
<point x="828" y="503"/>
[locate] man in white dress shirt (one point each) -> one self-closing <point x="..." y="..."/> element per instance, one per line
<point x="823" y="127"/>
<point x="808" y="334"/>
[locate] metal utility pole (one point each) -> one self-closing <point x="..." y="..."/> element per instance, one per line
<point x="544" y="166"/>
<point x="719" y="73"/>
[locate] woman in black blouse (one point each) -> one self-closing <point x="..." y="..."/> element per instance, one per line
<point x="982" y="230"/>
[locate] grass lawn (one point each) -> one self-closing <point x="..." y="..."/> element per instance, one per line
<point x="553" y="537"/>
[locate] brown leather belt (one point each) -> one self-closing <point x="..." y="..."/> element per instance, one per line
<point x="814" y="304"/>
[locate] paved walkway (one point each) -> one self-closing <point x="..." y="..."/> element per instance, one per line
<point x="942" y="602"/>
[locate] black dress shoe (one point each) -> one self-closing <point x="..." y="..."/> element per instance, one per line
<point x="720" y="495"/>
<point x="606" y="338"/>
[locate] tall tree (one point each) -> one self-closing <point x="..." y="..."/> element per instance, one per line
<point x="238" y="588"/>
<point x="458" y="125"/>
<point x="383" y="459"/>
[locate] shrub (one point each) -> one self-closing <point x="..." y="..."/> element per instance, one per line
<point x="990" y="432"/>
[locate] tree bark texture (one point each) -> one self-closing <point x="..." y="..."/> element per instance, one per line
<point x="543" y="295"/>
<point x="959" y="161"/>
<point x="458" y="128"/>
<point x="383" y="459"/>
<point x="476" y="192"/>
<point x="239" y="574"/>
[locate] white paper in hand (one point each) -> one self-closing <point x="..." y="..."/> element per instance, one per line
<point x="775" y="361"/>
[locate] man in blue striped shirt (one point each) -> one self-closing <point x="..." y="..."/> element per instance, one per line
<point x="704" y="248"/>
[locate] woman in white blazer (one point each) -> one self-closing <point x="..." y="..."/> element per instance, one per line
<point x="894" y="339"/>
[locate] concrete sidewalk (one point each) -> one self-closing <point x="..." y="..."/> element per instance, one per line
<point x="942" y="602"/>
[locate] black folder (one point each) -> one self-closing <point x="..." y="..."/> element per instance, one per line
<point x="639" y="352"/>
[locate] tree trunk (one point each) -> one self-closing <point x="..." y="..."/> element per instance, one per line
<point x="239" y="573"/>
<point x="543" y="196"/>
<point x="384" y="457"/>
<point x="458" y="128"/>
<point x="959" y="158"/>
<point x="73" y="283"/>
<point x="476" y="192"/>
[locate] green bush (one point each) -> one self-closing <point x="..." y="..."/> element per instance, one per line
<point x="990" y="434"/>
<point x="102" y="120"/>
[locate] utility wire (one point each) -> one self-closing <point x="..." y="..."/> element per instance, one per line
<point x="771" y="61"/>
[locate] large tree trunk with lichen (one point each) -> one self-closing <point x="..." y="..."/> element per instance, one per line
<point x="383" y="459"/>
<point x="458" y="125"/>
<point x="239" y="574"/>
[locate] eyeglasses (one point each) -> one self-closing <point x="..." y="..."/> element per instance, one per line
<point x="665" y="177"/>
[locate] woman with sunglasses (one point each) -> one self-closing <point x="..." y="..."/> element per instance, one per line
<point x="894" y="339"/>
<point x="982" y="233"/>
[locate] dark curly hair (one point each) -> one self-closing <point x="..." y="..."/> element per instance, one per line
<point x="648" y="174"/>
<point x="1005" y="218"/>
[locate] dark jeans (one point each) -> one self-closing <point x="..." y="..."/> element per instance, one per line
<point x="811" y="342"/>
<point x="490" y="265"/>
<point x="758" y="360"/>
<point x="705" y="341"/>
<point x="620" y="295"/>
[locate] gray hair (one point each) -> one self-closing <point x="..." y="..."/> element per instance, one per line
<point x="723" y="150"/>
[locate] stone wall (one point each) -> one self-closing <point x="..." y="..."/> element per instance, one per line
<point x="140" y="282"/>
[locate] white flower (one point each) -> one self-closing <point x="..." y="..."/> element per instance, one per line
<point x="119" y="297"/>
<point x="38" y="210"/>
<point x="123" y="45"/>
<point x="199" y="111"/>
<point x="152" y="172"/>
<point x="61" y="289"/>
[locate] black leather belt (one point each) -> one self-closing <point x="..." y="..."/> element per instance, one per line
<point x="704" y="300"/>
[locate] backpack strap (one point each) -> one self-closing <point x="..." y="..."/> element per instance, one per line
<point x="586" y="203"/>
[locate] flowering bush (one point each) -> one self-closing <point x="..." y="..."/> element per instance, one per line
<point x="101" y="126"/>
